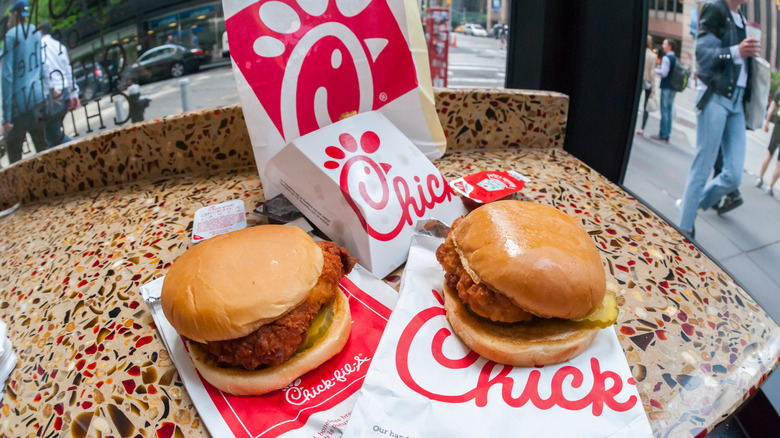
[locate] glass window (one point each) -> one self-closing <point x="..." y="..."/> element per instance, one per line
<point x="150" y="54"/>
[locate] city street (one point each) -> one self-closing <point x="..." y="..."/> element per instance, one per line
<point x="478" y="62"/>
<point x="746" y="241"/>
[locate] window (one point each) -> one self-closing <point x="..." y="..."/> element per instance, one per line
<point x="149" y="55"/>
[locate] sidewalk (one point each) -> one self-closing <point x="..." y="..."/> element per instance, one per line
<point x="745" y="241"/>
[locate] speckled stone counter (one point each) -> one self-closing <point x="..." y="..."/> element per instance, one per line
<point x="102" y="216"/>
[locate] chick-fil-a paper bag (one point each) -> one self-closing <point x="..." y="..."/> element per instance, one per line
<point x="318" y="404"/>
<point x="303" y="64"/>
<point x="424" y="382"/>
<point x="365" y="185"/>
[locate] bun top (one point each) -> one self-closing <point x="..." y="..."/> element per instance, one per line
<point x="230" y="285"/>
<point x="539" y="257"/>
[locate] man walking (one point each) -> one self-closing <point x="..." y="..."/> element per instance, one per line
<point x="667" y="94"/>
<point x="58" y="85"/>
<point x="723" y="52"/>
<point x="23" y="100"/>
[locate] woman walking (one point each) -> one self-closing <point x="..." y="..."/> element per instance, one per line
<point x="648" y="81"/>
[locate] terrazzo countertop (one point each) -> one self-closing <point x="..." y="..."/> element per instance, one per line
<point x="73" y="256"/>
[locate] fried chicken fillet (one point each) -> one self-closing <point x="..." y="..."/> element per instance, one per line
<point x="275" y="342"/>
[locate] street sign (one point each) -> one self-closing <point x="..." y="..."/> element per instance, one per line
<point x="437" y="36"/>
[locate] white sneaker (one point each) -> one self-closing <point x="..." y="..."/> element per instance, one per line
<point x="759" y="182"/>
<point x="769" y="191"/>
<point x="678" y="202"/>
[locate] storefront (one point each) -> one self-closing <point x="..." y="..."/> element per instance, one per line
<point x="131" y="28"/>
<point x="200" y="27"/>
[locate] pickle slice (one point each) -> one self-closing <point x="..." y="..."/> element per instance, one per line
<point x="318" y="328"/>
<point x="605" y="315"/>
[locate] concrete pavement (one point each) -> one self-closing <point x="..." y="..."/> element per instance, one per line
<point x="745" y="241"/>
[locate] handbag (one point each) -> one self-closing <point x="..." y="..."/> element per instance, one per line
<point x="652" y="104"/>
<point x="755" y="108"/>
<point x="647" y="84"/>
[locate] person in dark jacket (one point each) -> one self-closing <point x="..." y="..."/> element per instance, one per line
<point x="723" y="52"/>
<point x="667" y="94"/>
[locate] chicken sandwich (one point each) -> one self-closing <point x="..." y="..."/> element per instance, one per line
<point x="524" y="284"/>
<point x="259" y="307"/>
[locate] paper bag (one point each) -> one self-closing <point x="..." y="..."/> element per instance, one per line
<point x="365" y="185"/>
<point x="302" y="65"/>
<point x="317" y="404"/>
<point x="425" y="382"/>
<point x="755" y="108"/>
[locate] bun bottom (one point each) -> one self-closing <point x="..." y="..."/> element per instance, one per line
<point x="538" y="342"/>
<point x="239" y="381"/>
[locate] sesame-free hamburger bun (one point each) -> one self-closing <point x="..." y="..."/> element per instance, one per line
<point x="245" y="302"/>
<point x="525" y="285"/>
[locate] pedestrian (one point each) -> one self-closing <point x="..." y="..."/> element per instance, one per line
<point x="723" y="52"/>
<point x="23" y="101"/>
<point x="648" y="81"/>
<point x="60" y="91"/>
<point x="772" y="115"/>
<point x="667" y="94"/>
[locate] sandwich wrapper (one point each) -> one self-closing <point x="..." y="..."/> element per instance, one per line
<point x="424" y="382"/>
<point x="302" y="65"/>
<point x="364" y="184"/>
<point x="7" y="358"/>
<point x="317" y="404"/>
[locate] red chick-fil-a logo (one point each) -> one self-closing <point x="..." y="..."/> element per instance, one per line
<point x="428" y="191"/>
<point x="309" y="62"/>
<point x="600" y="394"/>
<point x="297" y="395"/>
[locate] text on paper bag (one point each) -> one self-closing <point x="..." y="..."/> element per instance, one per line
<point x="606" y="384"/>
<point x="424" y="194"/>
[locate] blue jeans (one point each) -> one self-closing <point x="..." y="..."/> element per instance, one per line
<point x="57" y="109"/>
<point x="667" y="112"/>
<point x="720" y="125"/>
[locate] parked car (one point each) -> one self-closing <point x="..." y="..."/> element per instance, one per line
<point x="167" y="60"/>
<point x="93" y="80"/>
<point x="474" y="29"/>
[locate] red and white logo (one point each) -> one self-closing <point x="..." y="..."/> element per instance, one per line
<point x="444" y="379"/>
<point x="331" y="57"/>
<point x="364" y="179"/>
<point x="334" y="381"/>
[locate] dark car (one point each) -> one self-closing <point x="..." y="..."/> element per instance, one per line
<point x="167" y="60"/>
<point x="93" y="80"/>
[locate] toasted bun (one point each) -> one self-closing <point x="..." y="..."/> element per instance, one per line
<point x="526" y="344"/>
<point x="230" y="285"/>
<point x="238" y="381"/>
<point x="539" y="257"/>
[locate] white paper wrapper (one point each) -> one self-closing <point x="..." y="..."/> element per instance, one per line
<point x="302" y="65"/>
<point x="365" y="186"/>
<point x="7" y="358"/>
<point x="318" y="404"/>
<point x="424" y="382"/>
